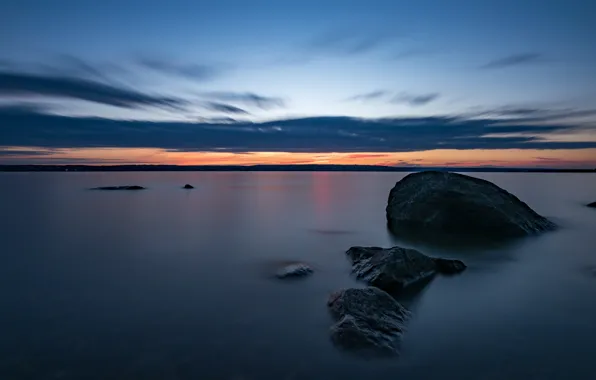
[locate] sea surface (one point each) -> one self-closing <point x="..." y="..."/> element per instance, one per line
<point x="176" y="284"/>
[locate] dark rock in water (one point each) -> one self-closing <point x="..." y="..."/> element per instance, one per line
<point x="134" y="187"/>
<point x="187" y="186"/>
<point x="294" y="270"/>
<point x="447" y="266"/>
<point x="367" y="320"/>
<point x="593" y="204"/>
<point x="393" y="269"/>
<point x="433" y="202"/>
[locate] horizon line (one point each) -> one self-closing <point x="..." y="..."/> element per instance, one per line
<point x="277" y="167"/>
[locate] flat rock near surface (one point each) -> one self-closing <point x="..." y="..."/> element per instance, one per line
<point x="393" y="269"/>
<point x="433" y="202"/>
<point x="187" y="186"/>
<point x="593" y="204"/>
<point x="294" y="270"/>
<point x="367" y="321"/>
<point x="130" y="187"/>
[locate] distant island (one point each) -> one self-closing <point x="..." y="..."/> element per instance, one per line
<point x="272" y="168"/>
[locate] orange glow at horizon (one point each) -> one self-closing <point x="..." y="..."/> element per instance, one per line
<point x="441" y="157"/>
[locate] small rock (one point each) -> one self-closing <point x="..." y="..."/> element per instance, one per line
<point x="187" y="186"/>
<point x="294" y="270"/>
<point x="367" y="320"/>
<point x="132" y="187"/>
<point x="593" y="205"/>
<point x="447" y="266"/>
<point x="393" y="269"/>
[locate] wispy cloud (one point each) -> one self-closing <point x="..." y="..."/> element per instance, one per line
<point x="225" y="108"/>
<point x="19" y="84"/>
<point x="348" y="42"/>
<point x="249" y="99"/>
<point x="514" y="60"/>
<point x="415" y="99"/>
<point x="74" y="66"/>
<point x="344" y="42"/>
<point x="395" y="98"/>
<point x="534" y="114"/>
<point x="368" y="96"/>
<point x="185" y="70"/>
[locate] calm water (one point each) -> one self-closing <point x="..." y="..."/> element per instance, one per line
<point x="175" y="284"/>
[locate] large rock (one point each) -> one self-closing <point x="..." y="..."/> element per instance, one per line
<point x="367" y="320"/>
<point x="393" y="269"/>
<point x="433" y="202"/>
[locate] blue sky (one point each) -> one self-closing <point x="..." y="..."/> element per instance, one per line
<point x="268" y="60"/>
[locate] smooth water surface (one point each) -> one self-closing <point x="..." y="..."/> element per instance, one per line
<point x="167" y="283"/>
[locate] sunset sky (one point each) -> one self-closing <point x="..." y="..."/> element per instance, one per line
<point x="407" y="83"/>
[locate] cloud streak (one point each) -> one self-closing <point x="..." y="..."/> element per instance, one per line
<point x="225" y="108"/>
<point x="200" y="72"/>
<point x="248" y="99"/>
<point x="415" y="99"/>
<point x="514" y="60"/>
<point x="411" y="99"/>
<point x="24" y="84"/>
<point x="318" y="134"/>
<point x="368" y="96"/>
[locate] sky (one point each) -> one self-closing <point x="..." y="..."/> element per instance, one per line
<point x="404" y="83"/>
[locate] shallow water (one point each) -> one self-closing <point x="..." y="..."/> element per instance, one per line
<point x="167" y="283"/>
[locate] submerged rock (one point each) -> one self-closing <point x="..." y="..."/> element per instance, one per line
<point x="433" y="202"/>
<point x="187" y="186"/>
<point x="393" y="269"/>
<point x="294" y="270"/>
<point x="133" y="187"/>
<point x="367" y="320"/>
<point x="593" y="204"/>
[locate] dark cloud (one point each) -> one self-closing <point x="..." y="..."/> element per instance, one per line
<point x="514" y="111"/>
<point x="248" y="99"/>
<point x="24" y="153"/>
<point x="225" y="108"/>
<point x="190" y="71"/>
<point x="368" y="96"/>
<point x="514" y="60"/>
<point x="533" y="114"/>
<point x="19" y="84"/>
<point x="318" y="134"/>
<point x="24" y="108"/>
<point x="415" y="99"/>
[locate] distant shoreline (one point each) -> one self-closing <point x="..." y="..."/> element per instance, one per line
<point x="272" y="168"/>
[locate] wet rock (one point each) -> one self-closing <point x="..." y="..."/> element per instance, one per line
<point x="433" y="202"/>
<point x="367" y="321"/>
<point x="187" y="186"/>
<point x="294" y="270"/>
<point x="131" y="187"/>
<point x="393" y="269"/>
<point x="593" y="204"/>
<point x="448" y="266"/>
